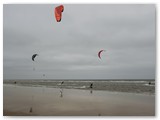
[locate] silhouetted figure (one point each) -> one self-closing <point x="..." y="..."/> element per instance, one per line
<point x="62" y="82"/>
<point x="99" y="114"/>
<point x="15" y="82"/>
<point x="91" y="85"/>
<point x="149" y="83"/>
<point x="31" y="110"/>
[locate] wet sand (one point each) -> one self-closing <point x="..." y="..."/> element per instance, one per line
<point x="43" y="101"/>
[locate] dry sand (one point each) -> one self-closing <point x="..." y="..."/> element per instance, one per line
<point x="42" y="101"/>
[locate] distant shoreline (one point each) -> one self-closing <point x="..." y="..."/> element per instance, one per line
<point x="129" y="86"/>
<point x="87" y="79"/>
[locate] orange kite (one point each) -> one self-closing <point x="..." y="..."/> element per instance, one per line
<point x="58" y="12"/>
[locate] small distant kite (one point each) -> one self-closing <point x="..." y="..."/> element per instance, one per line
<point x="99" y="53"/>
<point x="33" y="56"/>
<point x="58" y="12"/>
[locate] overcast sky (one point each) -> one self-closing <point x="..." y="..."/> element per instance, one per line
<point x="68" y="50"/>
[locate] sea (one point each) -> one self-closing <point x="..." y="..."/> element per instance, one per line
<point x="140" y="86"/>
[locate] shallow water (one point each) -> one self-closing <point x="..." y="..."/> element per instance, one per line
<point x="131" y="86"/>
<point x="24" y="100"/>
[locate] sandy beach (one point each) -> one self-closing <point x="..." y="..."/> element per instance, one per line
<point x="43" y="101"/>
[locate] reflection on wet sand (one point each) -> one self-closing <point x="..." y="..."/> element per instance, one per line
<point x="91" y="91"/>
<point x="61" y="92"/>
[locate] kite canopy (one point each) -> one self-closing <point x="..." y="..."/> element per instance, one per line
<point x="99" y="53"/>
<point x="58" y="12"/>
<point x="33" y="56"/>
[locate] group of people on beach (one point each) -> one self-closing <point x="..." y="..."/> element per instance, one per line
<point x="61" y="89"/>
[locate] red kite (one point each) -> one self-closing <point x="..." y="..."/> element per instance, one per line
<point x="99" y="53"/>
<point x="58" y="12"/>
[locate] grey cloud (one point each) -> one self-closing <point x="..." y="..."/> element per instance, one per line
<point x="69" y="49"/>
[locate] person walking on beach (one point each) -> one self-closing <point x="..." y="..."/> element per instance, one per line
<point x="91" y="85"/>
